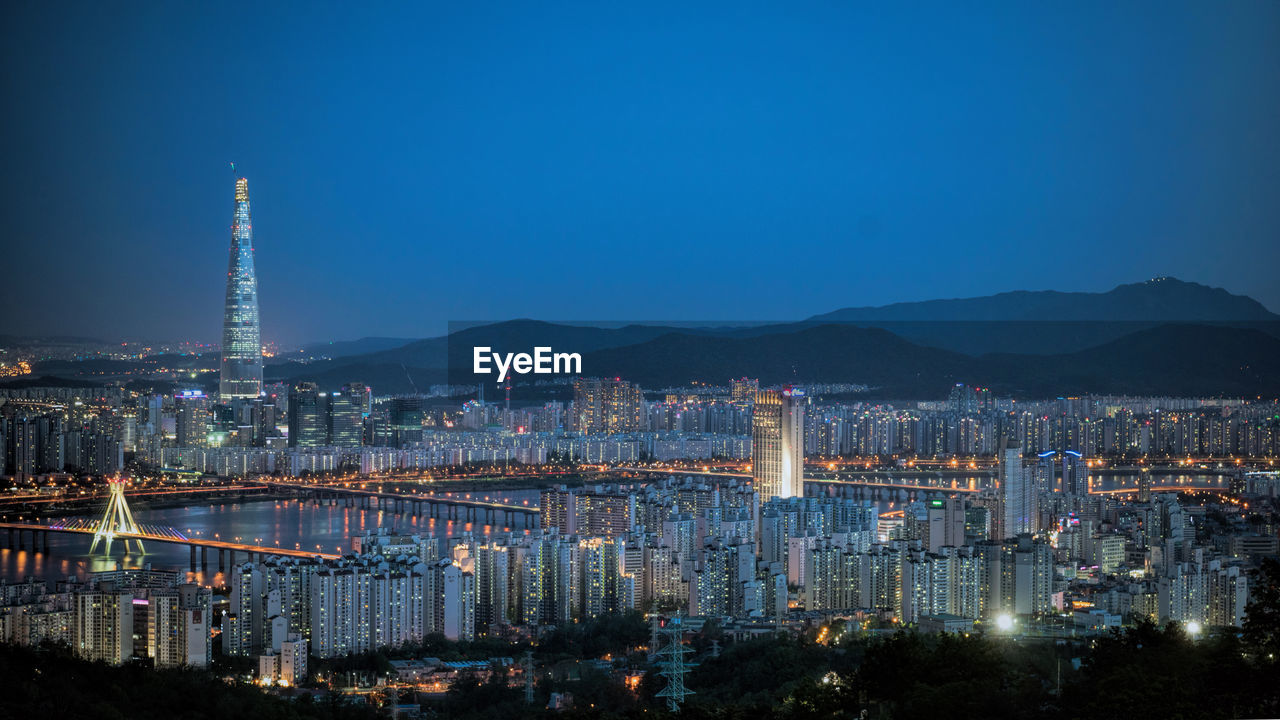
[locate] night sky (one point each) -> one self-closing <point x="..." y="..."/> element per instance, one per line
<point x="463" y="161"/>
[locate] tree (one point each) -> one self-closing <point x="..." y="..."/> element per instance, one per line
<point x="937" y="676"/>
<point x="1262" y="616"/>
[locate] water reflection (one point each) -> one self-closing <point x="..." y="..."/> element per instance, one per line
<point x="307" y="525"/>
<point x="294" y="524"/>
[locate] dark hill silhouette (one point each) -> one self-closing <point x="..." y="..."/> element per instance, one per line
<point x="1177" y="359"/>
<point x="1161" y="300"/>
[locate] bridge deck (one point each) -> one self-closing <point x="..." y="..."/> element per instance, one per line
<point x="39" y="499"/>
<point x="460" y="502"/>
<point x="216" y="544"/>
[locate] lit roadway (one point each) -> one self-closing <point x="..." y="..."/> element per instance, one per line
<point x="690" y="471"/>
<point x="175" y="539"/>
<point x="1159" y="489"/>
<point x="891" y="486"/>
<point x="911" y="484"/>
<point x="905" y="485"/>
<point x="38" y="499"/>
<point x="439" y="499"/>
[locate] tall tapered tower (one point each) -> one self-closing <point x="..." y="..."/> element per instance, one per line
<point x="241" y="338"/>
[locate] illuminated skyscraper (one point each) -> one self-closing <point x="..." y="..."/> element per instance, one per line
<point x="344" y="417"/>
<point x="307" y="416"/>
<point x="241" y="340"/>
<point x="777" y="443"/>
<point x="1017" y="493"/>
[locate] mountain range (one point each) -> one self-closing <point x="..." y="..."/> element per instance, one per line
<point x="1159" y="336"/>
<point x="1162" y="336"/>
<point x="1175" y="359"/>
<point x="1161" y="299"/>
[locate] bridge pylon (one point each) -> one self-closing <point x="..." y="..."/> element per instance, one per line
<point x="116" y="519"/>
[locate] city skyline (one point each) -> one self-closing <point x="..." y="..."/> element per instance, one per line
<point x="616" y="362"/>
<point x="1007" y="145"/>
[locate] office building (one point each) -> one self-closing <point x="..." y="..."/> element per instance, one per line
<point x="307" y="416"/>
<point x="777" y="443"/>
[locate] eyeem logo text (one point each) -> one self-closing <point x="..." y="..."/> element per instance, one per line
<point x="542" y="362"/>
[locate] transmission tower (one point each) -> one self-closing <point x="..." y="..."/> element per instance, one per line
<point x="116" y="520"/>
<point x="673" y="664"/>
<point x="528" y="677"/>
<point x="655" y="635"/>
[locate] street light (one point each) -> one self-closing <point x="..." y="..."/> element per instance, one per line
<point x="1004" y="622"/>
<point x="1194" y="629"/>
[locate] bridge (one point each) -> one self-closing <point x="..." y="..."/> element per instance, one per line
<point x="439" y="507"/>
<point x="1162" y="489"/>
<point x="676" y="471"/>
<point x="881" y="486"/>
<point x="117" y="523"/>
<point x="870" y="490"/>
<point x="143" y="494"/>
<point x="200" y="547"/>
<point x="905" y="484"/>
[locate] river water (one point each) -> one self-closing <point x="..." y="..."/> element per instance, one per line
<point x="307" y="525"/>
<point x="294" y="524"/>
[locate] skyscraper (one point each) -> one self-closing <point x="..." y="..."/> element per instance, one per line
<point x="241" y="340"/>
<point x="777" y="443"/>
<point x="192" y="421"/>
<point x="307" y="411"/>
<point x="344" y="417"/>
<point x="1017" y="495"/>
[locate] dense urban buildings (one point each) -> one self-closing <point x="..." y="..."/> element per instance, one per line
<point x="777" y="511"/>
<point x="609" y="405"/>
<point x="113" y="616"/>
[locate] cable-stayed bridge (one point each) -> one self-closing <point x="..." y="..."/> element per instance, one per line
<point x="118" y="524"/>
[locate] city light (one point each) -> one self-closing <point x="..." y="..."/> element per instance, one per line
<point x="872" y="407"/>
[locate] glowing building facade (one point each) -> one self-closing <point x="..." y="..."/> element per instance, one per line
<point x="1017" y="493"/>
<point x="241" y="375"/>
<point x="777" y="443"/>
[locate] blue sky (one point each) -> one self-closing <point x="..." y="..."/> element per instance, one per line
<point x="430" y="162"/>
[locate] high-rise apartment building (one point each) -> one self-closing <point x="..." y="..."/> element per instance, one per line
<point x="178" y="622"/>
<point x="1017" y="493"/>
<point x="598" y="511"/>
<point x="777" y="443"/>
<point x="743" y="390"/>
<point x="241" y="373"/>
<point x="104" y="625"/>
<point x="191" y="410"/>
<point x="609" y="405"/>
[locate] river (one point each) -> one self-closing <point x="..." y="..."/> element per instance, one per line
<point x="307" y="525"/>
